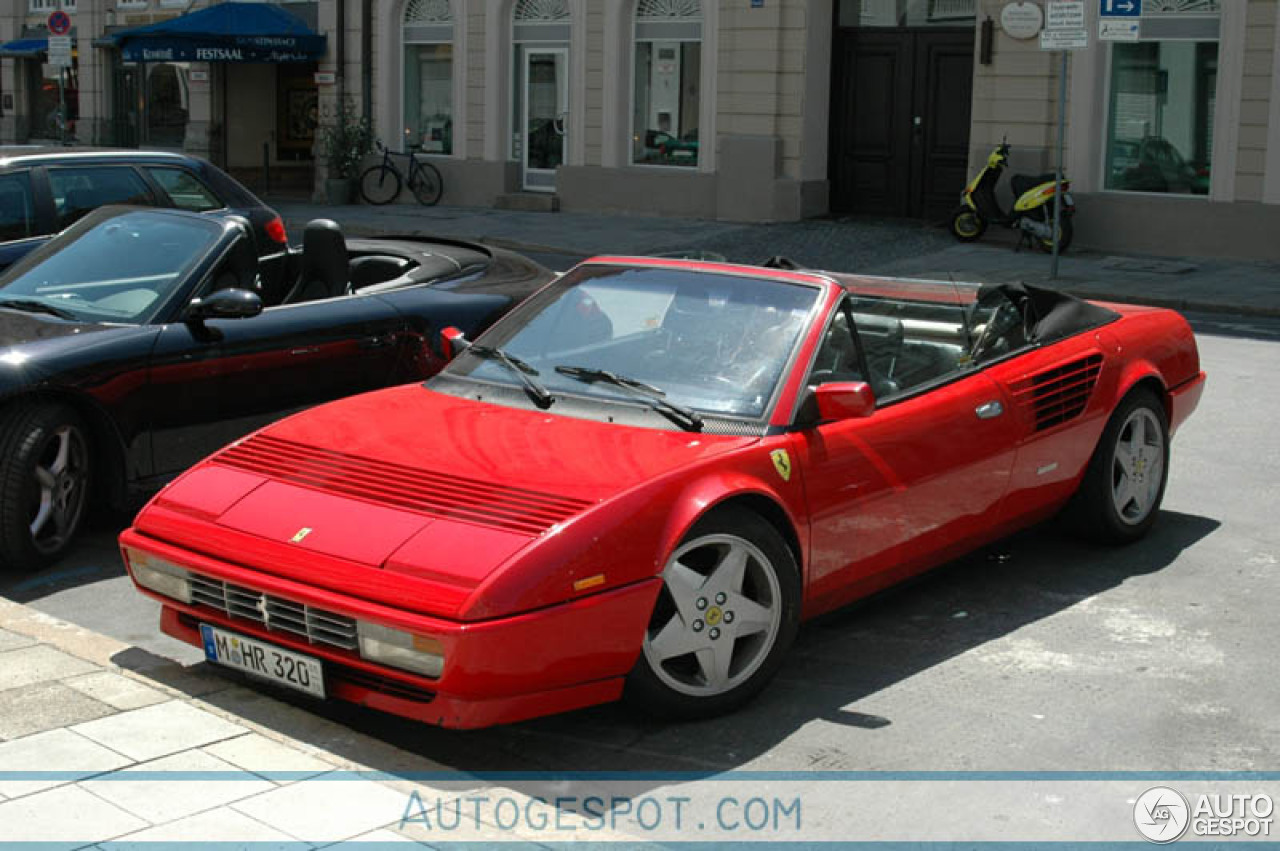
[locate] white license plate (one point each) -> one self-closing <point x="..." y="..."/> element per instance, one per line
<point x="261" y="659"/>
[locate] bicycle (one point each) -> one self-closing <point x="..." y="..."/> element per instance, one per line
<point x="381" y="184"/>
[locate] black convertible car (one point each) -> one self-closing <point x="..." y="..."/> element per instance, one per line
<point x="139" y="340"/>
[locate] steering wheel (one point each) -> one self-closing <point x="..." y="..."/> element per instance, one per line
<point x="1002" y="320"/>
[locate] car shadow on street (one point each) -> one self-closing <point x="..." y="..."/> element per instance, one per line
<point x="837" y="661"/>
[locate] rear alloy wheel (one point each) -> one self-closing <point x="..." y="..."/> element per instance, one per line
<point x="44" y="483"/>
<point x="728" y="610"/>
<point x="1124" y="486"/>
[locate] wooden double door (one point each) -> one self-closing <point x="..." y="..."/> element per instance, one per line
<point x="901" y="101"/>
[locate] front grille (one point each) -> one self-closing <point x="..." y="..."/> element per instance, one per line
<point x="398" y="486"/>
<point x="1059" y="394"/>
<point x="275" y="613"/>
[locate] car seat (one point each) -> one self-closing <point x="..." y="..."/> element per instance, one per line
<point x="325" y="266"/>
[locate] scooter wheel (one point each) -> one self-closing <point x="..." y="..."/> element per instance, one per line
<point x="967" y="225"/>
<point x="1065" y="233"/>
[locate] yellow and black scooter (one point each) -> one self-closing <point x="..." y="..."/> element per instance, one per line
<point x="1032" y="210"/>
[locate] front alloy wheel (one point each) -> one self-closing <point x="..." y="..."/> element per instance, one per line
<point x="726" y="614"/>
<point x="44" y="483"/>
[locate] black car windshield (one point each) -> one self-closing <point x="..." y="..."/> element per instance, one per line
<point x="713" y="342"/>
<point x="119" y="269"/>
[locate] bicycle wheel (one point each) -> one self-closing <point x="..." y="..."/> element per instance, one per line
<point x="379" y="184"/>
<point x="427" y="185"/>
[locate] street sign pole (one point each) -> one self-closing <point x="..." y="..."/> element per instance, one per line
<point x="1062" y="143"/>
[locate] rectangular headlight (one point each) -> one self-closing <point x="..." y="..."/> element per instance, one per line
<point x="163" y="577"/>
<point x="398" y="649"/>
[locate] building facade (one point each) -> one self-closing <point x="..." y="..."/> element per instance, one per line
<point x="750" y="110"/>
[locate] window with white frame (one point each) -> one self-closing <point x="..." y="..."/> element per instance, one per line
<point x="667" y="94"/>
<point x="1160" y="106"/>
<point x="43" y="5"/>
<point x="428" y="75"/>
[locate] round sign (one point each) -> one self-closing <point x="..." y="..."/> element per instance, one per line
<point x="59" y="23"/>
<point x="1022" y="20"/>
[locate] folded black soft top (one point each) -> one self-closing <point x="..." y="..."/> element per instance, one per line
<point x="1050" y="315"/>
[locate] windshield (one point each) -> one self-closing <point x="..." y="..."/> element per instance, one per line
<point x="713" y="342"/>
<point x="118" y="270"/>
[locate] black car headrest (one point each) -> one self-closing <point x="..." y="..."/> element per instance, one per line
<point x="325" y="269"/>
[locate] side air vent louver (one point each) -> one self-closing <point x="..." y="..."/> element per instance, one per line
<point x="398" y="486"/>
<point x="1060" y="394"/>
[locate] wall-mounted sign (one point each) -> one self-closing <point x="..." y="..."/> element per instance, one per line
<point x="199" y="76"/>
<point x="326" y="78"/>
<point x="1021" y="20"/>
<point x="1064" y="26"/>
<point x="1120" y="8"/>
<point x="1119" y="30"/>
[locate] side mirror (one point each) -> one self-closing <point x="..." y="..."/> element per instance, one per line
<point x="845" y="400"/>
<point x="225" y="304"/>
<point x="453" y="343"/>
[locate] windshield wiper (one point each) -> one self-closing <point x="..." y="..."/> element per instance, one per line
<point x="540" y="395"/>
<point x="30" y="305"/>
<point x="686" y="418"/>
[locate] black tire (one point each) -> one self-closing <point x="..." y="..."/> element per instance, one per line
<point x="655" y="688"/>
<point x="967" y="225"/>
<point x="379" y="185"/>
<point x="1093" y="511"/>
<point x="31" y="436"/>
<point x="428" y="186"/>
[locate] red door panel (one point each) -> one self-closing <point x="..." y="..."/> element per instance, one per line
<point x="892" y="493"/>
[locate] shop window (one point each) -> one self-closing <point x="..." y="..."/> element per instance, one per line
<point x="668" y="83"/>
<point x="168" y="103"/>
<point x="48" y="115"/>
<point x="186" y="190"/>
<point x="77" y="191"/>
<point x="428" y="76"/>
<point x="16" y="209"/>
<point x="1160" y="117"/>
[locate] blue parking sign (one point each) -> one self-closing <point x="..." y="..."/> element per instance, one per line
<point x="1120" y="8"/>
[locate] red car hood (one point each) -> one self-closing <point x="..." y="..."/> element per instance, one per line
<point x="410" y="480"/>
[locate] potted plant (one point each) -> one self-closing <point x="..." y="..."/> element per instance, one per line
<point x="344" y="144"/>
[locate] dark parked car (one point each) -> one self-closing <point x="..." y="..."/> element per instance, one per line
<point x="46" y="189"/>
<point x="139" y="340"/>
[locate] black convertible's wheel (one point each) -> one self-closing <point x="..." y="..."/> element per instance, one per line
<point x="1124" y="484"/>
<point x="728" y="611"/>
<point x="44" y="482"/>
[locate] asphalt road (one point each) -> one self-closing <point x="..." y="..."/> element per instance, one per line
<point x="1041" y="653"/>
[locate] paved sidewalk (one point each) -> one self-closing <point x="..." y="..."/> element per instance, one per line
<point x="103" y="743"/>
<point x="862" y="244"/>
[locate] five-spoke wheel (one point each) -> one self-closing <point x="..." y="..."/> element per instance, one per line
<point x="726" y="613"/>
<point x="1124" y="485"/>
<point x="44" y="483"/>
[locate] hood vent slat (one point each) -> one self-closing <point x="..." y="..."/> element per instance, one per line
<point x="397" y="486"/>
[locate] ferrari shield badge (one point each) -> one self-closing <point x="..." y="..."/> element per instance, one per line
<point x="302" y="534"/>
<point x="782" y="463"/>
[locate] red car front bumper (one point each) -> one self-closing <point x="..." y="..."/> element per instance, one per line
<point x="496" y="671"/>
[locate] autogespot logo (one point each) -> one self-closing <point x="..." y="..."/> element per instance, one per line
<point x="1161" y="814"/>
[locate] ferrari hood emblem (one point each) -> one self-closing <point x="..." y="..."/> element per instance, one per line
<point x="782" y="463"/>
<point x="302" y="534"/>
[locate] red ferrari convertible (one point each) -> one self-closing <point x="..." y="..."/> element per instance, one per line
<point x="643" y="479"/>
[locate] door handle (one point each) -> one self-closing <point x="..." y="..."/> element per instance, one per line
<point x="989" y="410"/>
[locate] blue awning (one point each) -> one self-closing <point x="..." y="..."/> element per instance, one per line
<point x="226" y="32"/>
<point x="25" y="48"/>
